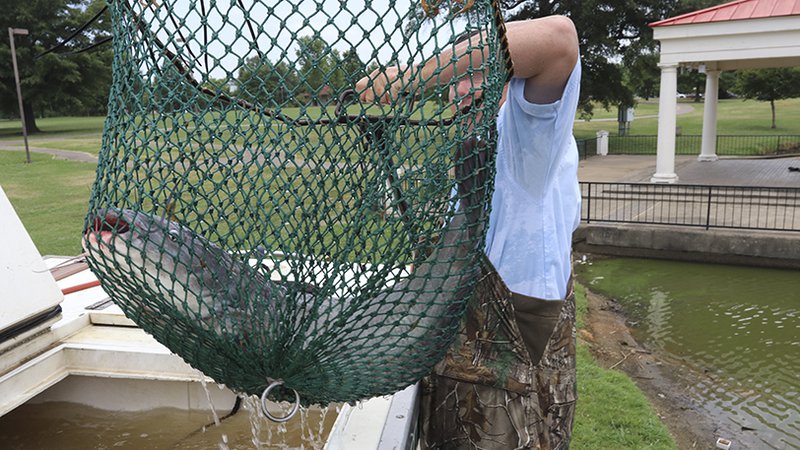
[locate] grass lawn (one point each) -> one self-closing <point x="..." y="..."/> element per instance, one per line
<point x="10" y="129"/>
<point x="734" y="116"/>
<point x="612" y="413"/>
<point x="82" y="134"/>
<point x="50" y="196"/>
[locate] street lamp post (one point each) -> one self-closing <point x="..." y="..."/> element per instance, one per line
<point x="11" y="33"/>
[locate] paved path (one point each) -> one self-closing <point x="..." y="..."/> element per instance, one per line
<point x="59" y="154"/>
<point x="770" y="172"/>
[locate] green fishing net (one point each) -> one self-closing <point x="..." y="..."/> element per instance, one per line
<point x="265" y="225"/>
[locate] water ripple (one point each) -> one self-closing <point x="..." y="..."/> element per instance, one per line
<point x="738" y="325"/>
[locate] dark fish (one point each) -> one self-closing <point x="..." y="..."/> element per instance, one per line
<point x="198" y="277"/>
<point x="417" y="311"/>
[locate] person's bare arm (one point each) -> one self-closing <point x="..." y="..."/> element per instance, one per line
<point x="544" y="52"/>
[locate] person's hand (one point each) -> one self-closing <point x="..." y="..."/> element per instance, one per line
<point x="385" y="85"/>
<point x="467" y="92"/>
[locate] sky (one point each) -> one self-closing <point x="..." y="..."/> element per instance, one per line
<point x="375" y="28"/>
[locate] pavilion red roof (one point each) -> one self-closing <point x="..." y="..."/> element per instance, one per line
<point x="737" y="10"/>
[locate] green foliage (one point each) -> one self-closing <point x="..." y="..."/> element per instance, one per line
<point x="643" y="76"/>
<point x="316" y="60"/>
<point x="258" y="77"/>
<point x="62" y="82"/>
<point x="687" y="6"/>
<point x="324" y="70"/>
<point x="691" y="82"/>
<point x="768" y="85"/>
<point x="608" y="31"/>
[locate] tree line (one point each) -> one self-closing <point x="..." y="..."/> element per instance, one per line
<point x="324" y="71"/>
<point x="314" y="75"/>
<point x="618" y="54"/>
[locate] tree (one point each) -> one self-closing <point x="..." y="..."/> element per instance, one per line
<point x="62" y="82"/>
<point x="317" y="63"/>
<point x="351" y="67"/>
<point x="642" y="76"/>
<point x="768" y="85"/>
<point x="261" y="81"/>
<point x="609" y="32"/>
<point x="727" y="81"/>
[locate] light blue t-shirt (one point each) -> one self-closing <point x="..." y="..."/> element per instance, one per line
<point x="536" y="201"/>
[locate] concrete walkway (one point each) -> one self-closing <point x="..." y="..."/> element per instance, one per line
<point x="770" y="172"/>
<point x="68" y="155"/>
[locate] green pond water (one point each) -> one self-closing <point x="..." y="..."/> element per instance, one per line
<point x="738" y="327"/>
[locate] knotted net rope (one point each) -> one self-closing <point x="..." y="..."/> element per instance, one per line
<point x="263" y="224"/>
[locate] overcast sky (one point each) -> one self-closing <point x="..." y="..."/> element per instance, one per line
<point x="377" y="31"/>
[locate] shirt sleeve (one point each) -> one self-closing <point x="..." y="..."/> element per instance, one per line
<point x="536" y="135"/>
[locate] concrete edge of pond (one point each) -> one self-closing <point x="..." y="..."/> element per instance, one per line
<point x="723" y="246"/>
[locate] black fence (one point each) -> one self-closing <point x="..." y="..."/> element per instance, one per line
<point x="753" y="208"/>
<point x="727" y="145"/>
<point x="586" y="147"/>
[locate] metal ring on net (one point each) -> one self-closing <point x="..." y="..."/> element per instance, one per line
<point x="269" y="415"/>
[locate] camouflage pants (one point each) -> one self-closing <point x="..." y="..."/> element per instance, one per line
<point x="508" y="382"/>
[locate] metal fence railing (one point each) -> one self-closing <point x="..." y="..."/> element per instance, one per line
<point x="689" y="144"/>
<point x="743" y="207"/>
<point x="586" y="147"/>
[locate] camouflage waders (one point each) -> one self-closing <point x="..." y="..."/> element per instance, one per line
<point x="508" y="381"/>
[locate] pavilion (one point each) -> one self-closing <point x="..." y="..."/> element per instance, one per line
<point x="744" y="34"/>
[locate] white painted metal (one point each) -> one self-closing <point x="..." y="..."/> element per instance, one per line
<point x="381" y="423"/>
<point x="359" y="427"/>
<point x="26" y="287"/>
<point x="400" y="429"/>
<point x="103" y="352"/>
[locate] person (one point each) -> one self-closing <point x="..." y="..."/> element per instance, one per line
<point x="508" y="384"/>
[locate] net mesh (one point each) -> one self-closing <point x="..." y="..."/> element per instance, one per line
<point x="262" y="223"/>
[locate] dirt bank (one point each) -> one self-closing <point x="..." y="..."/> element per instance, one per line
<point x="662" y="380"/>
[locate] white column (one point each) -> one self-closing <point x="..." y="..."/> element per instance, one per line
<point x="667" y="108"/>
<point x="708" y="151"/>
